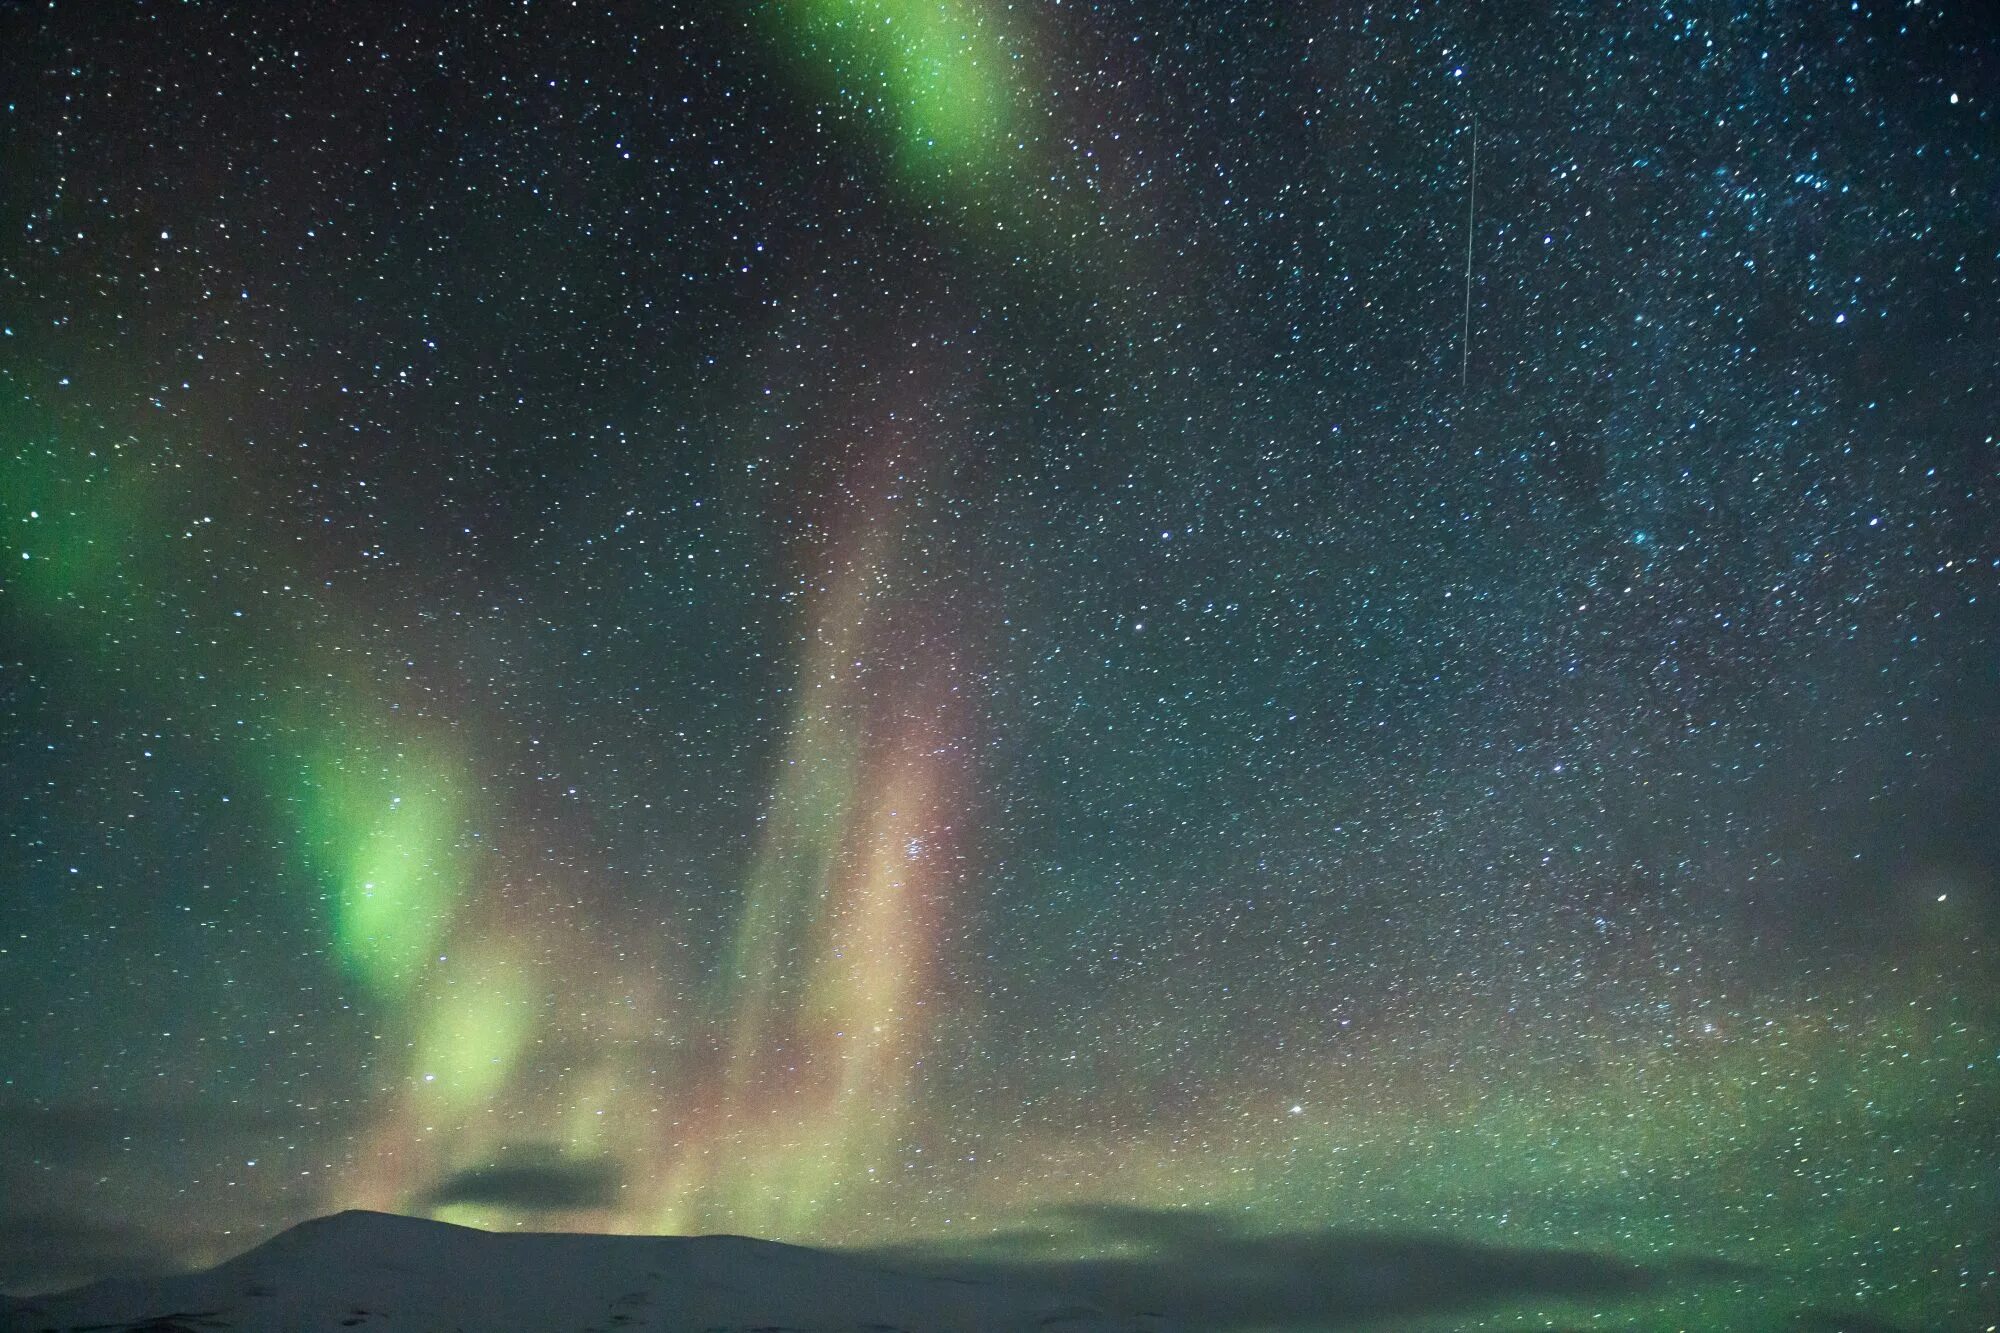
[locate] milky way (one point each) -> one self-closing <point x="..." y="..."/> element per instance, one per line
<point x="879" y="622"/>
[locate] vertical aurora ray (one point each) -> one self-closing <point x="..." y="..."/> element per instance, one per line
<point x="798" y="862"/>
<point x="823" y="999"/>
<point x="873" y="975"/>
<point x="762" y="1102"/>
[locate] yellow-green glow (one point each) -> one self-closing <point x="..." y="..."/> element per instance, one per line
<point x="938" y="72"/>
<point x="471" y="1215"/>
<point x="475" y="1028"/>
<point x="380" y="826"/>
<point x="821" y="1000"/>
<point x="791" y="874"/>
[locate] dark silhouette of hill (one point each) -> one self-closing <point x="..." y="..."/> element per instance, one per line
<point x="372" y="1272"/>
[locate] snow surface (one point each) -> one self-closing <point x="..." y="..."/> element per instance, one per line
<point x="360" y="1272"/>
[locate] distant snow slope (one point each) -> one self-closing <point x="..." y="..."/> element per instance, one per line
<point x="359" y="1272"/>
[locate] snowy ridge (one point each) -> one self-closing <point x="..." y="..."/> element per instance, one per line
<point x="361" y="1272"/>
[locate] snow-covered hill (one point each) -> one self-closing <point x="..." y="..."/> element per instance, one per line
<point x="360" y="1272"/>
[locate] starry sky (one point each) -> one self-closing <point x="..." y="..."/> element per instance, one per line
<point x="893" y="622"/>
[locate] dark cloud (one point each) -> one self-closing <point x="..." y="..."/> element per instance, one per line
<point x="541" y="1183"/>
<point x="1205" y="1271"/>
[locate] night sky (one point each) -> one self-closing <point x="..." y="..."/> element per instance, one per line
<point x="872" y="621"/>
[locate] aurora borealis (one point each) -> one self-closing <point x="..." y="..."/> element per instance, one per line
<point x="886" y="623"/>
